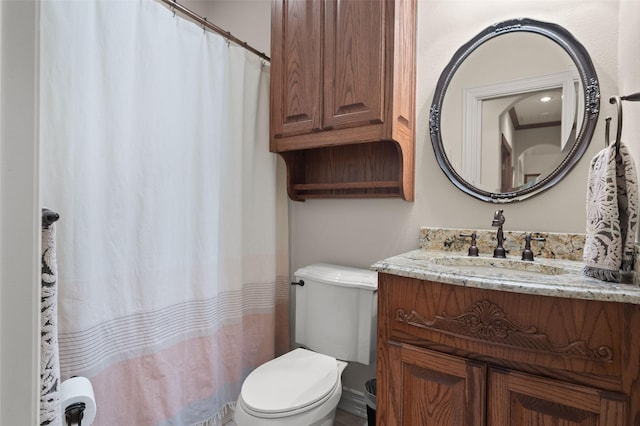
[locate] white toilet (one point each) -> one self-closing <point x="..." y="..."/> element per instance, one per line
<point x="336" y="313"/>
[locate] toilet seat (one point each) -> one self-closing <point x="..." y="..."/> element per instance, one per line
<point x="292" y="383"/>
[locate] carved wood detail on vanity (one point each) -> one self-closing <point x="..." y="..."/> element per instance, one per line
<point x="486" y="321"/>
<point x="560" y="333"/>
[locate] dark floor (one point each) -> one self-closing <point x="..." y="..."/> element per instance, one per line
<point x="342" y="419"/>
<point x="347" y="419"/>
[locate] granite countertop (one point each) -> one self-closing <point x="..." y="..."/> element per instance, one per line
<point x="545" y="276"/>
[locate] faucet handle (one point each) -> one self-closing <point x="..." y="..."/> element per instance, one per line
<point x="473" y="249"/>
<point x="498" y="218"/>
<point x="527" y="253"/>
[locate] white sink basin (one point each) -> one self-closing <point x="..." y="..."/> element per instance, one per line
<point x="469" y="263"/>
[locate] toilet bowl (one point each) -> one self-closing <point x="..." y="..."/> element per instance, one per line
<point x="336" y="312"/>
<point x="299" y="388"/>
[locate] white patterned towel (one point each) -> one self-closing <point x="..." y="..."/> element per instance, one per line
<point x="50" y="412"/>
<point x="612" y="214"/>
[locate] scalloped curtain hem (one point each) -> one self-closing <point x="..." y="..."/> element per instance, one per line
<point x="218" y="418"/>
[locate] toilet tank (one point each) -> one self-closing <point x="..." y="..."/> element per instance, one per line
<point x="337" y="311"/>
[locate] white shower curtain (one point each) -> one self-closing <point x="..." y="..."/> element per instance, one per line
<point x="173" y="281"/>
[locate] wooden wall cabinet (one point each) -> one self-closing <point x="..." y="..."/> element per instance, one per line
<point x="451" y="355"/>
<point x="343" y="96"/>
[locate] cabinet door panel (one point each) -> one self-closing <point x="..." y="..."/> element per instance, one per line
<point x="296" y="85"/>
<point x="436" y="389"/>
<point x="354" y="63"/>
<point x="522" y="399"/>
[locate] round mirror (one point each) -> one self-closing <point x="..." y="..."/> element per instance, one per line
<point x="514" y="110"/>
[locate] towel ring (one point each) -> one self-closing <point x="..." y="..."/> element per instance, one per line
<point x="617" y="100"/>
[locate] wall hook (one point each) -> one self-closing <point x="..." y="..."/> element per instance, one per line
<point x="617" y="100"/>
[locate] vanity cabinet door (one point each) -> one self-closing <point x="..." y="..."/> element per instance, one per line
<point x="522" y="399"/>
<point x="430" y="388"/>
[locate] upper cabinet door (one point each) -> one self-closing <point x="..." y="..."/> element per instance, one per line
<point x="296" y="66"/>
<point x="354" y="55"/>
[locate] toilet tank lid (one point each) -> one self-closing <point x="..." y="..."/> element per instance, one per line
<point x="345" y="276"/>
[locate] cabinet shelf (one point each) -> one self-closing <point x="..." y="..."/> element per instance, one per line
<point x="345" y="185"/>
<point x="384" y="189"/>
<point x="367" y="170"/>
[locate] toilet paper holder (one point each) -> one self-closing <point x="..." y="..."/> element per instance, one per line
<point x="78" y="404"/>
<point x="74" y="413"/>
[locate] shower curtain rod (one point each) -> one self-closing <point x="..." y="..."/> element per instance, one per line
<point x="174" y="5"/>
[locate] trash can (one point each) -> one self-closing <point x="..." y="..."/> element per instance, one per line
<point x="370" y="400"/>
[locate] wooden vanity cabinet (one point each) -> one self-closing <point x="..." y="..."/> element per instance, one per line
<point x="453" y="355"/>
<point x="343" y="96"/>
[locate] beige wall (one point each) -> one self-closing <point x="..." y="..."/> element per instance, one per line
<point x="249" y="20"/>
<point x="250" y="23"/>
<point x="628" y="73"/>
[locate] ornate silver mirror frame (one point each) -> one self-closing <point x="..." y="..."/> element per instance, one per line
<point x="591" y="102"/>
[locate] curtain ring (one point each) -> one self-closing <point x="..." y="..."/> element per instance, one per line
<point x="173" y="8"/>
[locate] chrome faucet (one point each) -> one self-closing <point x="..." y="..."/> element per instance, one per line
<point x="498" y="221"/>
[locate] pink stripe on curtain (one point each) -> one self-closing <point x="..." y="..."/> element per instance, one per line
<point x="183" y="375"/>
